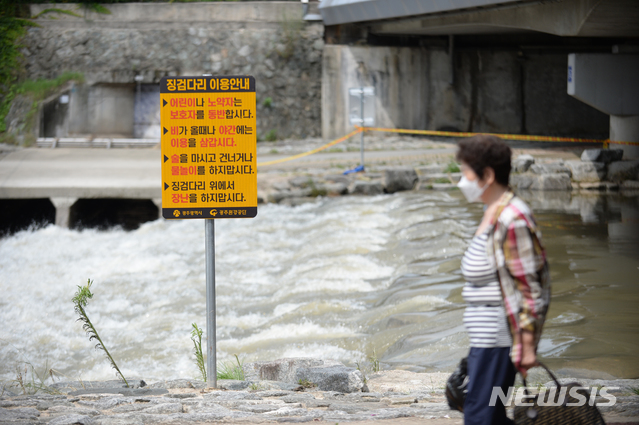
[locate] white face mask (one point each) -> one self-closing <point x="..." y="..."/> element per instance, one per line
<point x="471" y="189"/>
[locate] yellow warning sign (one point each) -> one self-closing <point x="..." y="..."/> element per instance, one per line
<point x="209" y="164"/>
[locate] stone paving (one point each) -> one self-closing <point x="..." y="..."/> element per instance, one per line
<point x="186" y="401"/>
<point x="395" y="397"/>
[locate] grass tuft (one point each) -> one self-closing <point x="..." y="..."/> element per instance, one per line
<point x="31" y="381"/>
<point x="41" y="88"/>
<point x="442" y="180"/>
<point x="230" y="370"/>
<point x="452" y="167"/>
<point x="270" y="135"/>
<point x="196" y="337"/>
<point x="36" y="90"/>
<point x="55" y="10"/>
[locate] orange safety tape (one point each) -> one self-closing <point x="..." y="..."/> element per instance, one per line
<point x="503" y="136"/>
<point x="623" y="143"/>
<point x="524" y="137"/>
<point x="321" y="148"/>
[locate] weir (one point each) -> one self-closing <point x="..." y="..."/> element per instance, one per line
<point x="80" y="187"/>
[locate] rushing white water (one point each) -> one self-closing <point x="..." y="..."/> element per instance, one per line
<point x="340" y="278"/>
<point x="291" y="282"/>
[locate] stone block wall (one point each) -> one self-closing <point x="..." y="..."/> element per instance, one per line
<point x="150" y="40"/>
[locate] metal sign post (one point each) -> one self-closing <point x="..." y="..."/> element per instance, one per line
<point x="361" y="135"/>
<point x="209" y="164"/>
<point x="362" y="112"/>
<point x="211" y="339"/>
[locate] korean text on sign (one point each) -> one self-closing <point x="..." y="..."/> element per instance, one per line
<point x="209" y="167"/>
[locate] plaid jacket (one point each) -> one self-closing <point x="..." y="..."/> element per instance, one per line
<point x="514" y="244"/>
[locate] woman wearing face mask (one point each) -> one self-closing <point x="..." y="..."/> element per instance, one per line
<point x="507" y="288"/>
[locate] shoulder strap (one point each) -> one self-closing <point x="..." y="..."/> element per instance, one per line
<point x="503" y="202"/>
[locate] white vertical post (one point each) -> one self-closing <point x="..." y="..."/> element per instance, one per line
<point x="209" y="243"/>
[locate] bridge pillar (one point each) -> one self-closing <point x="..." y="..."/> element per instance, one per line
<point x="609" y="83"/>
<point x="63" y="210"/>
<point x="625" y="129"/>
<point x="158" y="203"/>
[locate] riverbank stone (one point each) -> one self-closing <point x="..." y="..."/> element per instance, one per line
<point x="399" y="179"/>
<point x="586" y="171"/>
<point x="550" y="168"/>
<point x="602" y="155"/>
<point x="179" y="383"/>
<point x="362" y="187"/>
<point x="334" y="189"/>
<point x="552" y="182"/>
<point x="68" y="386"/>
<point x="328" y="375"/>
<point x="521" y="181"/>
<point x="623" y="170"/>
<point x="430" y="169"/>
<point x="72" y="420"/>
<point x="630" y="185"/>
<point x="129" y="392"/>
<point x="333" y="378"/>
<point x="283" y="370"/>
<point x="522" y="163"/>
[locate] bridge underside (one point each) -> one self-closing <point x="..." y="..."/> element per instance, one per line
<point x="566" y="18"/>
<point x="476" y="65"/>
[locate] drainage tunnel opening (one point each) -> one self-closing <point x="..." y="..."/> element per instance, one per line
<point x="20" y="214"/>
<point x="105" y="213"/>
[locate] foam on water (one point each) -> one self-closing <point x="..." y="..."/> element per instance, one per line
<point x="288" y="283"/>
<point x="335" y="279"/>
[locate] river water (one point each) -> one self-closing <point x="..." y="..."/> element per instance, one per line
<point x="341" y="278"/>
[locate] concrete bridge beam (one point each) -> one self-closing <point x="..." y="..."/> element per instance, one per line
<point x="63" y="210"/>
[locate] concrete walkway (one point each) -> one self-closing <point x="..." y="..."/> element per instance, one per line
<point x="136" y="173"/>
<point x="79" y="173"/>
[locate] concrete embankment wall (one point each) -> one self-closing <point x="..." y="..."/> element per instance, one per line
<point x="480" y="90"/>
<point x="302" y="84"/>
<point x="150" y="40"/>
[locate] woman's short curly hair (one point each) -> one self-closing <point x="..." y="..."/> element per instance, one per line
<point x="484" y="151"/>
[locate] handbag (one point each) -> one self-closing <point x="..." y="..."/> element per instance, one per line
<point x="558" y="412"/>
<point x="456" y="386"/>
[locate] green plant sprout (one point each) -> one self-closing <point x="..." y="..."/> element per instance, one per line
<point x="80" y="300"/>
<point x="230" y="370"/>
<point x="374" y="360"/>
<point x="362" y="370"/>
<point x="196" y="337"/>
<point x="305" y="383"/>
<point x="452" y="167"/>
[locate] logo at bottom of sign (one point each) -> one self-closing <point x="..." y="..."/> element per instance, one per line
<point x="184" y="213"/>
